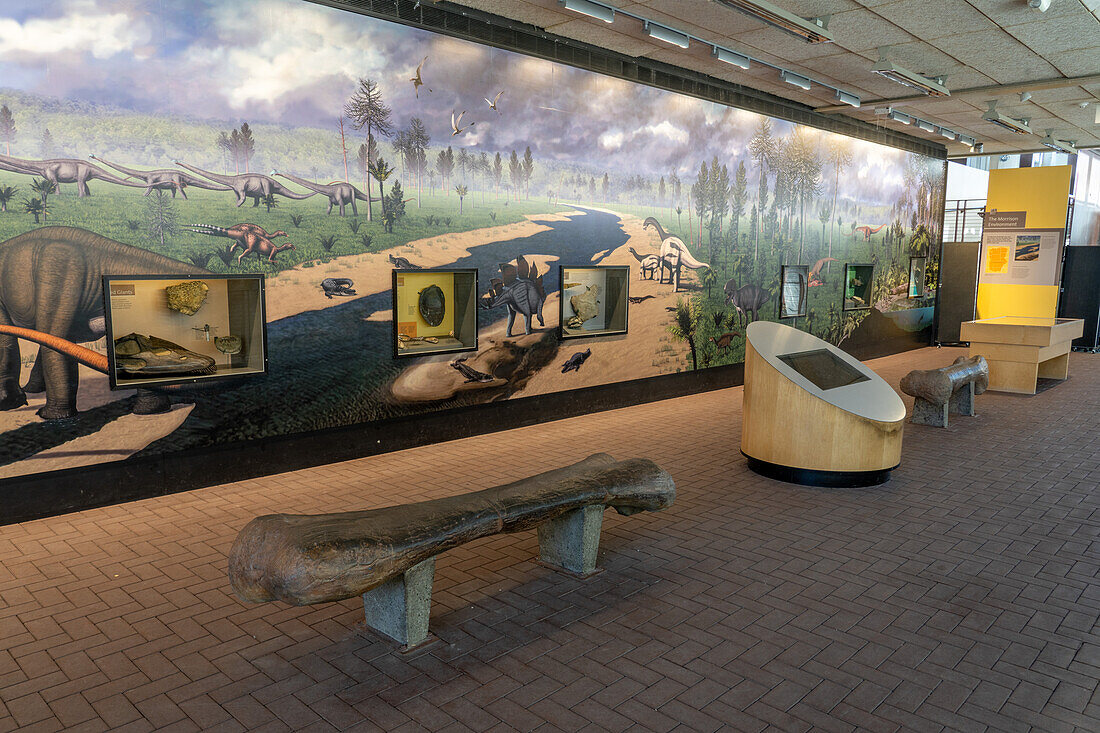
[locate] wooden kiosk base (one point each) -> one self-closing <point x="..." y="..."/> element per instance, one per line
<point x="815" y="415"/>
<point x="1021" y="349"/>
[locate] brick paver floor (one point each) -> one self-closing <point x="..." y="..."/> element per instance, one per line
<point x="962" y="595"/>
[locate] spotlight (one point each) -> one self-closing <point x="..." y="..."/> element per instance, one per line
<point x="926" y="125"/>
<point x="791" y="78"/>
<point x="661" y="33"/>
<point x="591" y="9"/>
<point x="731" y="57"/>
<point x="847" y="98"/>
<point x="949" y="134"/>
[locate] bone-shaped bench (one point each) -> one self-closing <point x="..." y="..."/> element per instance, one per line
<point x="947" y="389"/>
<point x="388" y="555"/>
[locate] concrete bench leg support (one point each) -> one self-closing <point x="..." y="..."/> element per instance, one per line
<point x="572" y="540"/>
<point x="962" y="400"/>
<point x="399" y="608"/>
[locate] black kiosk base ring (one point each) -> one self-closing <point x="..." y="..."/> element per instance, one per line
<point x="812" y="477"/>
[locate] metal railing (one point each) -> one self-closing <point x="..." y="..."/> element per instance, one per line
<point x="962" y="220"/>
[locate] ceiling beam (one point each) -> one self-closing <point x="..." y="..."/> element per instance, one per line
<point x="995" y="90"/>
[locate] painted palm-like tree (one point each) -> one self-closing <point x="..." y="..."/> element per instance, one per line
<point x="35" y="208"/>
<point x="684" y="326"/>
<point x="380" y="170"/>
<point x="44" y="188"/>
<point x="461" y="190"/>
<point x="7" y="193"/>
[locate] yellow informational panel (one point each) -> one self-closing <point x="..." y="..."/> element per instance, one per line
<point x="1041" y="195"/>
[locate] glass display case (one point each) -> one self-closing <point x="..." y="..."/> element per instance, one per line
<point x="593" y="300"/>
<point x="434" y="311"/>
<point x="795" y="281"/>
<point x="175" y="329"/>
<point x="857" y="286"/>
<point x="917" y="266"/>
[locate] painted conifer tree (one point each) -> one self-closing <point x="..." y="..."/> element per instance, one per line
<point x="160" y="216"/>
<point x="366" y="109"/>
<point x="7" y="128"/>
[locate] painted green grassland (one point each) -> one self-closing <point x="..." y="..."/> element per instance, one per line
<point x="121" y="214"/>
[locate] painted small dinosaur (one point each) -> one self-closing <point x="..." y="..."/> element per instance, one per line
<point x="251" y="237"/>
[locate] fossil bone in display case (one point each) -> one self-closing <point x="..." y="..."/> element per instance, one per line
<point x="795" y="283"/>
<point x="593" y="300"/>
<point x="434" y="311"/>
<point x="176" y="329"/>
<point x="857" y="287"/>
<point x="917" y="284"/>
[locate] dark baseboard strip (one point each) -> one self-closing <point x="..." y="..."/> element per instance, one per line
<point x="825" y="479"/>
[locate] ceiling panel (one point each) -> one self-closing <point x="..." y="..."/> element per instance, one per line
<point x="976" y="43"/>
<point x="931" y="19"/>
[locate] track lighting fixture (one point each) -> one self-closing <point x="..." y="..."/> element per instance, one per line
<point x="591" y="9"/>
<point x="731" y="57"/>
<point x="661" y="33"/>
<point x="794" y="79"/>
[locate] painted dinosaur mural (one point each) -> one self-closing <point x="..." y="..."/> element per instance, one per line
<point x="339" y="193"/>
<point x="248" y="185"/>
<point x="456" y="185"/>
<point x="64" y="170"/>
<point x="164" y="179"/>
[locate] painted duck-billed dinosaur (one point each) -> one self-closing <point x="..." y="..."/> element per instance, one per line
<point x="64" y="170"/>
<point x="164" y="179"/>
<point x="256" y="186"/>
<point x="251" y="237"/>
<point x="51" y="280"/>
<point x="339" y="193"/>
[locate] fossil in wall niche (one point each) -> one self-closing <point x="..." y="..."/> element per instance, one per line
<point x="187" y="297"/>
<point x="229" y="344"/>
<point x="148" y="355"/>
<point x="585" y="307"/>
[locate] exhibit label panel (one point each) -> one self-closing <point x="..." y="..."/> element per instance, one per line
<point x="431" y="220"/>
<point x="1022" y="239"/>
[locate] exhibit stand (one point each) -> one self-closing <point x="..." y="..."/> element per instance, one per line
<point x="1020" y="350"/>
<point x="814" y="414"/>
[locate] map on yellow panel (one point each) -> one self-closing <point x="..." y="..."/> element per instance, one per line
<point x="996" y="260"/>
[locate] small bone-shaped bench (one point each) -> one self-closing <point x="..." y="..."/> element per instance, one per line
<point x="388" y="555"/>
<point x="947" y="389"/>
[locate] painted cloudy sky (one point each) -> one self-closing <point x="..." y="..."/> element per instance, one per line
<point x="295" y="63"/>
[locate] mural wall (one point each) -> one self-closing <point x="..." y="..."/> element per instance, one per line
<point x="325" y="149"/>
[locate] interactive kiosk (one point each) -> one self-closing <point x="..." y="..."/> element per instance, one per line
<point x="815" y="415"/>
